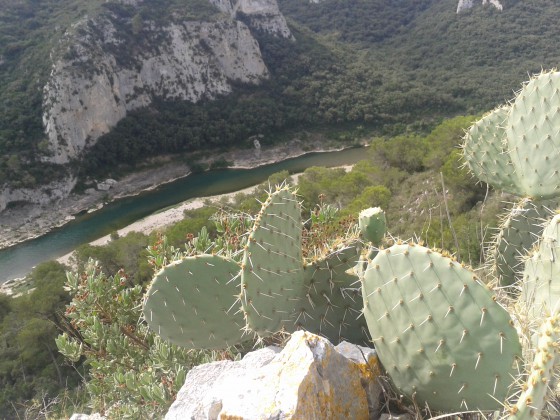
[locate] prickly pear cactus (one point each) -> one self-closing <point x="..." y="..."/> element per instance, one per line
<point x="332" y="302"/>
<point x="536" y="389"/>
<point x="373" y="224"/>
<point x="271" y="271"/>
<point x="520" y="153"/>
<point x="519" y="231"/>
<point x="484" y="151"/>
<point x="194" y="303"/>
<point x="532" y="136"/>
<point x="441" y="337"/>
<point x="541" y="277"/>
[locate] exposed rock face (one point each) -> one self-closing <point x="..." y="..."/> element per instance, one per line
<point x="308" y="379"/>
<point x="101" y="78"/>
<point x="44" y="195"/>
<point x="260" y="14"/>
<point x="468" y="4"/>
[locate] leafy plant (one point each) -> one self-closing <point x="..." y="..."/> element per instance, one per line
<point x="132" y="372"/>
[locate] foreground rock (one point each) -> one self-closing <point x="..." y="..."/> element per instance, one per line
<point x="309" y="379"/>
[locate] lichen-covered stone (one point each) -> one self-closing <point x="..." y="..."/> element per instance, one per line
<point x="308" y="379"/>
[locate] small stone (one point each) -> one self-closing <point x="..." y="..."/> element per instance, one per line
<point x="94" y="416"/>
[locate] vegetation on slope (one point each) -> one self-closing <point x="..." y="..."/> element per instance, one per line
<point x="407" y="185"/>
<point x="384" y="66"/>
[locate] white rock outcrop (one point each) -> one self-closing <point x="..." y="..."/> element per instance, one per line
<point x="100" y="78"/>
<point x="43" y="195"/>
<point x="469" y="4"/>
<point x="261" y="14"/>
<point x="308" y="379"/>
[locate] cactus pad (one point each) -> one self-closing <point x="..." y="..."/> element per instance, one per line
<point x="194" y="303"/>
<point x="332" y="301"/>
<point x="484" y="151"/>
<point x="517" y="148"/>
<point x="442" y="338"/>
<point x="541" y="277"/>
<point x="373" y="224"/>
<point x="272" y="264"/>
<point x="532" y="133"/>
<point x="518" y="233"/>
<point x="533" y="397"/>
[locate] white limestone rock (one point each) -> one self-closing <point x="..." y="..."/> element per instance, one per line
<point x="95" y="416"/>
<point x="196" y="399"/>
<point x="44" y="195"/>
<point x="260" y="14"/>
<point x="106" y="185"/>
<point x="308" y="379"/>
<point x="469" y="4"/>
<point x="99" y="78"/>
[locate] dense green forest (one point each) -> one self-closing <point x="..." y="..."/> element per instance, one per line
<point x="387" y="67"/>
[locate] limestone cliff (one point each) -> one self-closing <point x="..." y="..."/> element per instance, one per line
<point x="260" y="14"/>
<point x="468" y="4"/>
<point x="41" y="196"/>
<point x="105" y="72"/>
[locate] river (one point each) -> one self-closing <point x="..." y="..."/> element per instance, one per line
<point x="18" y="260"/>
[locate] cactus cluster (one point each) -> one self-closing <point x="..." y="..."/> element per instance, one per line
<point x="442" y="335"/>
<point x="210" y="301"/>
<point x="516" y="148"/>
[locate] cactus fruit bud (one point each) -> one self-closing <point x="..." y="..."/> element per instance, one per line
<point x="373" y="224"/>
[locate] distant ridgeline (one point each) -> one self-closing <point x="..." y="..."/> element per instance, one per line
<point x="88" y="85"/>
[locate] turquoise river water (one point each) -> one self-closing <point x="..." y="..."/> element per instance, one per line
<point x="18" y="260"/>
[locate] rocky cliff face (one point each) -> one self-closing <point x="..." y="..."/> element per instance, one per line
<point x="42" y="196"/>
<point x="108" y="68"/>
<point x="260" y="14"/>
<point x="102" y="76"/>
<point x="468" y="4"/>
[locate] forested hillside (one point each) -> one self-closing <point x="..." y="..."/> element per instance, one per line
<point x="386" y="66"/>
<point x="390" y="67"/>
